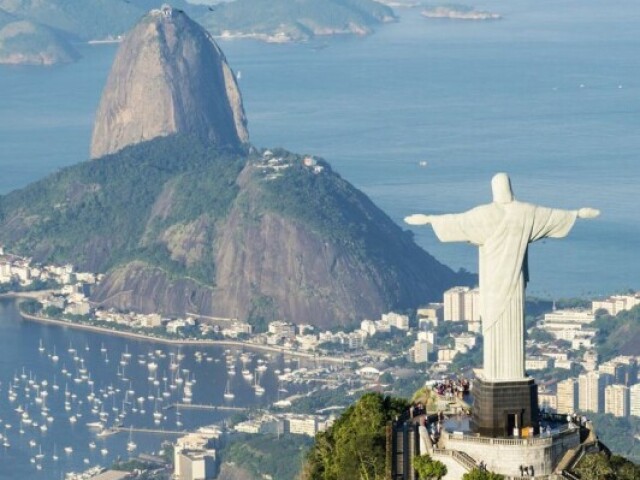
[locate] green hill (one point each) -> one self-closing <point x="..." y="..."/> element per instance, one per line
<point x="180" y="226"/>
<point x="618" y="335"/>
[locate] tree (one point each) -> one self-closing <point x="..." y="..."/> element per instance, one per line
<point x="478" y="474"/>
<point x="355" y="446"/>
<point x="428" y="468"/>
<point x="595" y="466"/>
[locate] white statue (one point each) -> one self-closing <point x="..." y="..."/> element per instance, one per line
<point x="503" y="230"/>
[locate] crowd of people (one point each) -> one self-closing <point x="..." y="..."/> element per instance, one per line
<point x="452" y="388"/>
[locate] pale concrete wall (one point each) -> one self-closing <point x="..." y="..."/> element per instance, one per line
<point x="505" y="455"/>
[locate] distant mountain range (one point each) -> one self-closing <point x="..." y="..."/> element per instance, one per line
<point x="273" y="20"/>
<point x="285" y="20"/>
<point x="196" y="220"/>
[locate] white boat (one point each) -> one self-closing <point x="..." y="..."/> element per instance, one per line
<point x="131" y="445"/>
<point x="228" y="394"/>
<point x="257" y="388"/>
<point x="41" y="347"/>
<point x="68" y="450"/>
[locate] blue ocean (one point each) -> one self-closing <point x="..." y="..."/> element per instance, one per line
<point x="549" y="94"/>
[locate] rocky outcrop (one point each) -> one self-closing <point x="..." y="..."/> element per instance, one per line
<point x="169" y="76"/>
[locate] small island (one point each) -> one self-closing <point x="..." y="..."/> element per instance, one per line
<point x="26" y="43"/>
<point x="458" y="12"/>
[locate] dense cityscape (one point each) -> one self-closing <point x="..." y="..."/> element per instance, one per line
<point x="439" y="341"/>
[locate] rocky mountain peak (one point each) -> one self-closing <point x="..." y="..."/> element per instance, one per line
<point x="169" y="76"/>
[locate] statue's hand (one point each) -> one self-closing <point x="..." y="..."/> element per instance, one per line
<point x="588" y="213"/>
<point x="417" y="219"/>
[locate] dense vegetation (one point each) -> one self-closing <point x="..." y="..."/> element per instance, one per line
<point x="478" y="474"/>
<point x="98" y="214"/>
<point x="619" y="335"/>
<point x="428" y="468"/>
<point x="264" y="454"/>
<point x="332" y="208"/>
<point x="598" y="466"/>
<point x="620" y="435"/>
<point x="355" y="446"/>
<point x="299" y="20"/>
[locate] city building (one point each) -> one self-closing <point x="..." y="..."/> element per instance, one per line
<point x="282" y="330"/>
<point x="616" y="303"/>
<point x="195" y="457"/>
<point x="432" y="314"/>
<point x="569" y="324"/>
<point x="461" y="304"/>
<point x="591" y="391"/>
<point x="195" y="465"/>
<point x="567" y="396"/>
<point x="537" y="363"/>
<point x="634" y="400"/>
<point x="569" y="316"/>
<point x="616" y="400"/>
<point x="401" y="322"/>
<point x="548" y="401"/>
<point x="421" y="351"/>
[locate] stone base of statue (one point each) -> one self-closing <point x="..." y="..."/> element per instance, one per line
<point x="505" y="409"/>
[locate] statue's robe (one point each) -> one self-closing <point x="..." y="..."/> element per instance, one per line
<point x="503" y="231"/>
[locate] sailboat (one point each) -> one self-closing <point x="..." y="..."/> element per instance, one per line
<point x="131" y="446"/>
<point x="228" y="394"/>
<point x="40" y="455"/>
<point x="41" y="347"/>
<point x="258" y="389"/>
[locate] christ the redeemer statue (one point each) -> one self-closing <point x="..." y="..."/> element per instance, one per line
<point x="503" y="230"/>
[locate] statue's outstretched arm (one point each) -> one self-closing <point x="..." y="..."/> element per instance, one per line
<point x="588" y="213"/>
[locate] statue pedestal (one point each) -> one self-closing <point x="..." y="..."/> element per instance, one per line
<point x="504" y="409"/>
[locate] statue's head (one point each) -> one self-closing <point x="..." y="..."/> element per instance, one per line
<point x="501" y="188"/>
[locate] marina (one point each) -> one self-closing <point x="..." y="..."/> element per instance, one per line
<point x="70" y="398"/>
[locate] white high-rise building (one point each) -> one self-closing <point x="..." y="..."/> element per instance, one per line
<point x="472" y="305"/>
<point x="567" y="395"/>
<point x="634" y="400"/>
<point x="616" y="400"/>
<point x="591" y="391"/>
<point x="462" y="304"/>
<point x="454" y="304"/>
<point x="421" y="351"/>
<point x="616" y="303"/>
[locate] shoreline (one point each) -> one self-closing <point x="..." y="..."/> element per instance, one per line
<point x="168" y="341"/>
